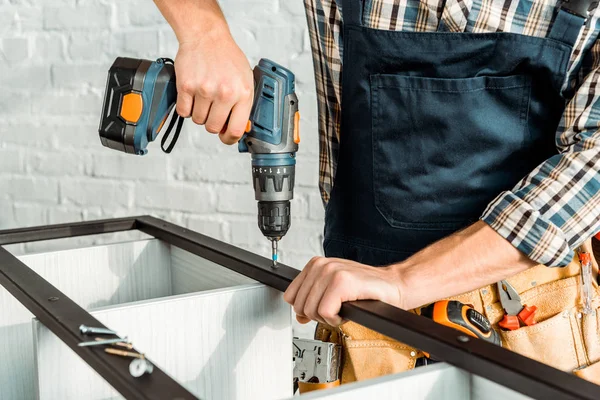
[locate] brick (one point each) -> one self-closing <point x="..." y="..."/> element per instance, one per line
<point x="293" y="8"/>
<point x="25" y="189"/>
<point x="13" y="105"/>
<point x="236" y="199"/>
<point x="29" y="215"/>
<point x="11" y="160"/>
<point x="63" y="214"/>
<point x="8" y="20"/>
<point x="299" y="204"/>
<point x="79" y="76"/>
<point x="15" y="50"/>
<point x="30" y="18"/>
<point x="91" y="46"/>
<point x="25" y="133"/>
<point x="283" y="39"/>
<point x="142" y="44"/>
<point x="55" y="163"/>
<point x="30" y="78"/>
<point x="252" y="10"/>
<point x="95" y="192"/>
<point x="182" y="197"/>
<point x="76" y="133"/>
<point x="66" y="104"/>
<point x="307" y="170"/>
<point x="140" y="14"/>
<point x="92" y="16"/>
<point x="304" y="237"/>
<point x="302" y="65"/>
<point x="246" y="40"/>
<point x="130" y="167"/>
<point x="316" y="211"/>
<point x="246" y="234"/>
<point x="49" y="48"/>
<point x="7" y="220"/>
<point x="167" y="43"/>
<point x="232" y="168"/>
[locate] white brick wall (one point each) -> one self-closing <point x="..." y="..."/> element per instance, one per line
<point x="54" y="55"/>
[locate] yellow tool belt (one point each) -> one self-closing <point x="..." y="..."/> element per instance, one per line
<point x="563" y="337"/>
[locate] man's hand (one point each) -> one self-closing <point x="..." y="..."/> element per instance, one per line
<point x="325" y="283"/>
<point x="465" y="261"/>
<point x="214" y="80"/>
<point x="215" y="85"/>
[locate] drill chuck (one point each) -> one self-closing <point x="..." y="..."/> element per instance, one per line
<point x="274" y="218"/>
<point x="273" y="178"/>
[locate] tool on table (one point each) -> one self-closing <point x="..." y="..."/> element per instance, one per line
<point x="120" y="344"/>
<point x="140" y="94"/>
<point x="123" y="353"/>
<point x="140" y="366"/>
<point x="463" y="318"/>
<point x="316" y="361"/>
<point x="585" y="259"/>
<point x="103" y="342"/>
<point x="515" y="311"/>
<point x="89" y="330"/>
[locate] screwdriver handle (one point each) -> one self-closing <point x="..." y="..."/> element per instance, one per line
<point x="510" y="323"/>
<point x="527" y="315"/>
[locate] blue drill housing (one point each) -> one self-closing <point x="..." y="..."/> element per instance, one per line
<point x="157" y="106"/>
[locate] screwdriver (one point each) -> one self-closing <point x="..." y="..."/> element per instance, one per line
<point x="586" y="280"/>
<point x="274" y="243"/>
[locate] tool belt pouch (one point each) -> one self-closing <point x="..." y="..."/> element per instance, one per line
<point x="367" y="354"/>
<point x="562" y="337"/>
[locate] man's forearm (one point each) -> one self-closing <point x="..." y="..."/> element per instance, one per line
<point x="462" y="262"/>
<point x="193" y="19"/>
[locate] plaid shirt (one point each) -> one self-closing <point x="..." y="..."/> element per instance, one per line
<point x="557" y="206"/>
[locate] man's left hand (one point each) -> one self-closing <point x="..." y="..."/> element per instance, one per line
<point x="325" y="283"/>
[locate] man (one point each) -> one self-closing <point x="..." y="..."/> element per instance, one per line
<point x="459" y="139"/>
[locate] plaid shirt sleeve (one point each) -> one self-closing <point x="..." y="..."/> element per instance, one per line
<point x="557" y="206"/>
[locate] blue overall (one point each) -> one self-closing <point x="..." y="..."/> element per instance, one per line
<point x="434" y="126"/>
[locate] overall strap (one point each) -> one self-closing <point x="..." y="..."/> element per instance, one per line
<point x="352" y="12"/>
<point x="570" y="20"/>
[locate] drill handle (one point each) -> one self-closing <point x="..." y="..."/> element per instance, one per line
<point x="274" y="119"/>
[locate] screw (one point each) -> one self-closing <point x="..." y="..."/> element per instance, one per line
<point x="413" y="354"/>
<point x="123" y="353"/>
<point x="463" y="338"/>
<point x="52" y="298"/>
<point x="128" y="346"/>
<point x="139" y="367"/>
<point x="484" y="292"/>
<point x="533" y="283"/>
<point x="100" y="331"/>
<point x="103" y="342"/>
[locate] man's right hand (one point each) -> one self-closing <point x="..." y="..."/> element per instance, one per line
<point x="215" y="84"/>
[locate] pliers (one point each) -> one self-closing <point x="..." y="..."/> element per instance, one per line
<point x="515" y="311"/>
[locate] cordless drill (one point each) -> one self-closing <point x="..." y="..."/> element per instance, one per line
<point x="140" y="95"/>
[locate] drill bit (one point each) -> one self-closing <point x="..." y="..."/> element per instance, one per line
<point x="274" y="251"/>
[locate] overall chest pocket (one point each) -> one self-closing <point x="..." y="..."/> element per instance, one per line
<point x="444" y="148"/>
